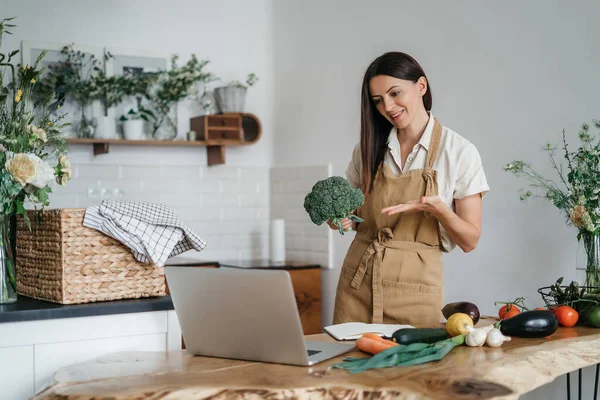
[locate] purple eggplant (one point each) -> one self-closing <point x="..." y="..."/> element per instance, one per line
<point x="530" y="324"/>
<point x="462" y="307"/>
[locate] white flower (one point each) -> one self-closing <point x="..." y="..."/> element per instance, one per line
<point x="21" y="167"/>
<point x="43" y="173"/>
<point x="38" y="133"/>
<point x="66" y="170"/>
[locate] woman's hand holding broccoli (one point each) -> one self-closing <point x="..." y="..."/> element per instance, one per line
<point x="333" y="200"/>
<point x="347" y="225"/>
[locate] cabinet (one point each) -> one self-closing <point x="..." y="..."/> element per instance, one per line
<point x="32" y="351"/>
<point x="306" y="281"/>
<point x="220" y="130"/>
<point x="307" y="290"/>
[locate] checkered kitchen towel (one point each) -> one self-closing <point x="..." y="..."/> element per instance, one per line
<point x="152" y="231"/>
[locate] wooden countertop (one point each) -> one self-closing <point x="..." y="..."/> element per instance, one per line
<point x="507" y="372"/>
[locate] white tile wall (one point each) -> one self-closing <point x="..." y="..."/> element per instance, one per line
<point x="227" y="206"/>
<point x="230" y="207"/>
<point x="304" y="241"/>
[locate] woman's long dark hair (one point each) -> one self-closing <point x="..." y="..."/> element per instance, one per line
<point x="374" y="128"/>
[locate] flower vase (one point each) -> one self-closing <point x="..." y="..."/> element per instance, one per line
<point x="165" y="126"/>
<point x="588" y="260"/>
<point x="8" y="277"/>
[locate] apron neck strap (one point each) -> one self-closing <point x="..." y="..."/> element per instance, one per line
<point x="434" y="143"/>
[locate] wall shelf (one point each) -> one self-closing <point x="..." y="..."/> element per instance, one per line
<point x="206" y="126"/>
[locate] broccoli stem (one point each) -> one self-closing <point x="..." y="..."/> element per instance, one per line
<point x="355" y="218"/>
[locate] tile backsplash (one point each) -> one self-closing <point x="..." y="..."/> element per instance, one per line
<point x="227" y="206"/>
<point x="303" y="239"/>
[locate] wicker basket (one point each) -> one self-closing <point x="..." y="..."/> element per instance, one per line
<point x="62" y="261"/>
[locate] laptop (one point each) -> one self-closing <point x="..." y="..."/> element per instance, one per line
<point x="244" y="314"/>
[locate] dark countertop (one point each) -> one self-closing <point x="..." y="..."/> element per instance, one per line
<point x="257" y="264"/>
<point x="28" y="309"/>
<point x="266" y="264"/>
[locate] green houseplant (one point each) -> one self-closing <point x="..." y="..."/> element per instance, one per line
<point x="71" y="80"/>
<point x="173" y="86"/>
<point x="32" y="154"/>
<point x="133" y="123"/>
<point x="110" y="91"/>
<point x="576" y="194"/>
<point x="232" y="98"/>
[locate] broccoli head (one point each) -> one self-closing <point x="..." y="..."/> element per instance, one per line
<point x="333" y="199"/>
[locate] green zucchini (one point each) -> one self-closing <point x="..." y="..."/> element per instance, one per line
<point x="419" y="335"/>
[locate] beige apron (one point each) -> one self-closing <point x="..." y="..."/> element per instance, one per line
<point x="393" y="270"/>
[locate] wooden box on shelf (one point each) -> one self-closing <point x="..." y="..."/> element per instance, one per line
<point x="220" y="130"/>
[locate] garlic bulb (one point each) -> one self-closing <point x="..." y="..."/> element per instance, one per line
<point x="487" y="328"/>
<point x="475" y="337"/>
<point x="495" y="338"/>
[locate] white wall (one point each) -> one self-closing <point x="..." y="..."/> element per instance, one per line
<point x="234" y="35"/>
<point x="228" y="205"/>
<point x="508" y="76"/>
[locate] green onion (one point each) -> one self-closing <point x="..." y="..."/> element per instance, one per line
<point x="402" y="355"/>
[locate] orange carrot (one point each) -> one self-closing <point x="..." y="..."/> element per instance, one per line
<point x="373" y="344"/>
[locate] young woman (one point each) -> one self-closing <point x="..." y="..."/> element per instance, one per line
<point x="423" y="186"/>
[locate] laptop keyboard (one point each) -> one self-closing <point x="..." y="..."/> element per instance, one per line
<point x="312" y="352"/>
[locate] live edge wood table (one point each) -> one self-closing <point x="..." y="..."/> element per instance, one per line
<point x="507" y="372"/>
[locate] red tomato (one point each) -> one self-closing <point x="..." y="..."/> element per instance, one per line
<point x="508" y="309"/>
<point x="566" y="315"/>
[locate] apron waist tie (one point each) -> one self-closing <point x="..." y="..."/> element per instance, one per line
<point x="385" y="238"/>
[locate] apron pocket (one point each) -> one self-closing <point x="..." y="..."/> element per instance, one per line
<point x="412" y="304"/>
<point x="414" y="267"/>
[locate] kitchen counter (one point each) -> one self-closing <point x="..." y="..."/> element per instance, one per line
<point x="28" y="309"/>
<point x="254" y="264"/>
<point x="266" y="264"/>
<point x="507" y="372"/>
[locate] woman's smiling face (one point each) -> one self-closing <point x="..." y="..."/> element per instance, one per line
<point x="398" y="100"/>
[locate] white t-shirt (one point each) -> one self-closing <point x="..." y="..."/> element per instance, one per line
<point x="458" y="165"/>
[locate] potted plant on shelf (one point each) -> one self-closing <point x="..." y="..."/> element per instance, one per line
<point x="110" y="91"/>
<point x="172" y="87"/>
<point x="71" y="79"/>
<point x="577" y="195"/>
<point x="32" y="154"/>
<point x="232" y="98"/>
<point x="133" y="123"/>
